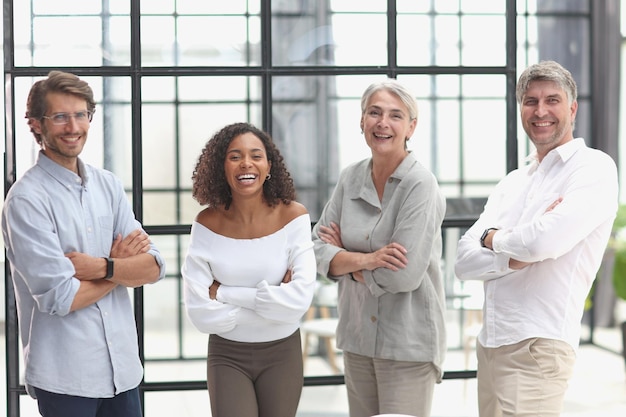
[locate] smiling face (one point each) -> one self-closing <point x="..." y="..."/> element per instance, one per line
<point x="547" y="116"/>
<point x="63" y="143"/>
<point x="386" y="124"/>
<point x="246" y="165"/>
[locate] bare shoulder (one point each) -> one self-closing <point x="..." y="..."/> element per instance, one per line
<point x="210" y="218"/>
<point x="291" y="211"/>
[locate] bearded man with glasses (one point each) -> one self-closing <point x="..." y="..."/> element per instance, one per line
<point x="74" y="247"/>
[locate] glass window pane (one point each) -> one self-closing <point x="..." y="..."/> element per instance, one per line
<point x="446" y="86"/>
<point x="360" y="39"/>
<point x="447" y="134"/>
<point x="42" y="38"/>
<point x="117" y="41"/>
<point x="412" y="6"/>
<point x="119" y="6"/>
<point x="365" y="6"/>
<point x="158" y="40"/>
<point x="53" y="46"/>
<point x="568" y="6"/>
<point x="61" y="8"/>
<point x="201" y="40"/>
<point x="216" y="7"/>
<point x="446" y="32"/>
<point x="483" y="6"/>
<point x="158" y="7"/>
<point x="476" y="40"/>
<point x="217" y="40"/>
<point x="484" y="86"/>
<point x="416" y="46"/>
<point x="490" y="163"/>
<point x="158" y="89"/>
<point x="219" y="89"/>
<point x="527" y="42"/>
<point x="162" y="315"/>
<point x="189" y="208"/>
<point x="301" y="34"/>
<point x="159" y="147"/>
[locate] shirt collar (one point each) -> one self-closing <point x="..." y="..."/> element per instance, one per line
<point x="60" y="173"/>
<point x="362" y="186"/>
<point x="565" y="152"/>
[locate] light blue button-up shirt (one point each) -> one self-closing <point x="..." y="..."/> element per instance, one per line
<point x="50" y="211"/>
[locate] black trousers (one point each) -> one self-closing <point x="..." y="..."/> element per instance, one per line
<point x="60" y="405"/>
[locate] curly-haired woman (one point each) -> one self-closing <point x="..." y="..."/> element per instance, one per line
<point x="249" y="274"/>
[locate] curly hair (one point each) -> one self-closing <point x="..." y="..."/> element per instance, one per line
<point x="209" y="178"/>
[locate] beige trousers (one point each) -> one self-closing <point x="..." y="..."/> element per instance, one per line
<point x="526" y="379"/>
<point x="380" y="386"/>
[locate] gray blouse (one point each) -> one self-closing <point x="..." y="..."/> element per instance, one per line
<point x="395" y="315"/>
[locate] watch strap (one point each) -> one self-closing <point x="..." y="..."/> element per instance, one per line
<point x="109" y="274"/>
<point x="484" y="236"/>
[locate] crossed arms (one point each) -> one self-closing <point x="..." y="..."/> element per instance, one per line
<point x="133" y="268"/>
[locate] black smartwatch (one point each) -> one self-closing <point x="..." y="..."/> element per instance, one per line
<point x="484" y="236"/>
<point x="109" y="274"/>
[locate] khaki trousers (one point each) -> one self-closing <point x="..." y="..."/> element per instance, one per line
<point x="526" y="379"/>
<point x="380" y="386"/>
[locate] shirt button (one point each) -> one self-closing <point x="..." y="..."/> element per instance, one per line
<point x="390" y="180"/>
<point x="373" y="319"/>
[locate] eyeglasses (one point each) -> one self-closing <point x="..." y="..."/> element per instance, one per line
<point x="64" y="118"/>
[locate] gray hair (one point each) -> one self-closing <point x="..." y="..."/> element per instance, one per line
<point x="547" y="71"/>
<point x="394" y="87"/>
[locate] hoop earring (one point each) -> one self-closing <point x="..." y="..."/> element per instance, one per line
<point x="269" y="176"/>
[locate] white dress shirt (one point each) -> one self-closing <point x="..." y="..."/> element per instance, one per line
<point x="564" y="245"/>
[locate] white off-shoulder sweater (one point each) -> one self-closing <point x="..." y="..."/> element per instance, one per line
<point x="253" y="305"/>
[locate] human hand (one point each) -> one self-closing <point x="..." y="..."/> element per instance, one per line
<point x="331" y="234"/>
<point x="391" y="256"/>
<point x="287" y="277"/>
<point x="213" y="289"/>
<point x="137" y="242"/>
<point x="86" y="267"/>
